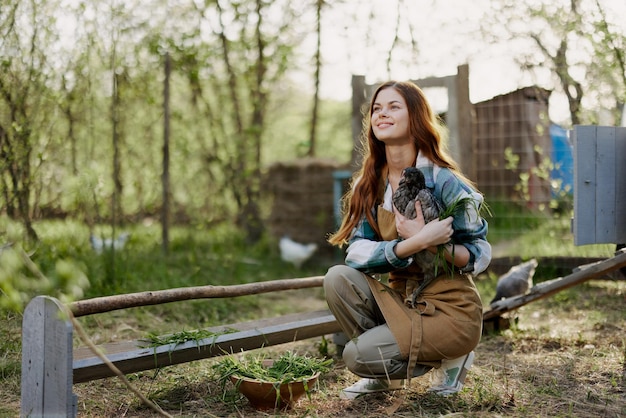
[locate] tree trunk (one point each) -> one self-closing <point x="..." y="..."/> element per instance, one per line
<point x="165" y="209"/>
<point x="253" y="222"/>
<point x="316" y="92"/>
<point x="117" y="168"/>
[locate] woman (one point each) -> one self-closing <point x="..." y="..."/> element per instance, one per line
<point x="390" y="341"/>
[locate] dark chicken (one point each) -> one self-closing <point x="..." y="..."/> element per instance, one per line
<point x="517" y="281"/>
<point x="412" y="188"/>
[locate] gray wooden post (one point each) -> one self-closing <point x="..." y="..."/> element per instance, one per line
<point x="47" y="375"/>
<point x="599" y="185"/>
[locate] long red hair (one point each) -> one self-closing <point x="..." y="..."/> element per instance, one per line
<point x="368" y="183"/>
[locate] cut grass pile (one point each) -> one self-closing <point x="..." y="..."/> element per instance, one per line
<point x="180" y="337"/>
<point x="287" y="367"/>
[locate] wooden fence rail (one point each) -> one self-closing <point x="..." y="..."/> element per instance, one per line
<point x="50" y="364"/>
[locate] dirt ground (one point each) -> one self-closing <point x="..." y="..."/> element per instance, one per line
<point x="564" y="356"/>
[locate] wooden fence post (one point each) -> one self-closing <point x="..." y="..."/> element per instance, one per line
<point x="47" y="374"/>
<point x="599" y="185"/>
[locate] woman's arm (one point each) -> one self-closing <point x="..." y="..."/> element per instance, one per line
<point x="366" y="253"/>
<point x="456" y="254"/>
<point x="470" y="228"/>
<point x="420" y="236"/>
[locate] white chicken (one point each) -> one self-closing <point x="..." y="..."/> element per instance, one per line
<point x="517" y="281"/>
<point x="295" y="252"/>
<point x="99" y="244"/>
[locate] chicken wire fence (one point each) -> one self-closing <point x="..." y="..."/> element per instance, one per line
<point x="523" y="162"/>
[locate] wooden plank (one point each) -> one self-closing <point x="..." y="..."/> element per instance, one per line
<point x="131" y="357"/>
<point x="584" y="139"/>
<point x="599" y="185"/>
<point x="466" y="122"/>
<point x="430" y="82"/>
<point x="46" y="360"/>
<point x="122" y="346"/>
<point x="605" y="185"/>
<point x="360" y="97"/>
<point x="620" y="190"/>
<point x="58" y="359"/>
<point x="551" y="287"/>
<point x="452" y="122"/>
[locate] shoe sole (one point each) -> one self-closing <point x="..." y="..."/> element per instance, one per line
<point x="353" y="395"/>
<point x="346" y="394"/>
<point x="447" y="390"/>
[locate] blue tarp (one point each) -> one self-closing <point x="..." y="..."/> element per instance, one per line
<point x="563" y="159"/>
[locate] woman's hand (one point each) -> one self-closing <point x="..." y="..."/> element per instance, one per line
<point x="418" y="235"/>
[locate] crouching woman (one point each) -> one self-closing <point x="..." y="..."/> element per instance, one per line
<point x="391" y="341"/>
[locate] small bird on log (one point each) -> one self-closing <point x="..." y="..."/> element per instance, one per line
<point x="517" y="281"/>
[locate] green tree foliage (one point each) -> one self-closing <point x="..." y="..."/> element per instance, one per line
<point x="580" y="42"/>
<point x="82" y="108"/>
<point x="48" y="269"/>
<point x="26" y="91"/>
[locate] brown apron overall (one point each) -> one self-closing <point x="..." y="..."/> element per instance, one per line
<point x="447" y="322"/>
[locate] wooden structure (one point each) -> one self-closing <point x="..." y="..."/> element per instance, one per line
<point x="458" y="118"/>
<point x="50" y="364"/>
<point x="599" y="184"/>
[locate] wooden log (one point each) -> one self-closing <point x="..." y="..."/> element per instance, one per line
<point x="551" y="287"/>
<point x="156" y="297"/>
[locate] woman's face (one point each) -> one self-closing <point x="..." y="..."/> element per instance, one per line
<point x="390" y="117"/>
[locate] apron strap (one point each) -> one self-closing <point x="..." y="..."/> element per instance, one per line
<point x="392" y="306"/>
<point x="405" y="323"/>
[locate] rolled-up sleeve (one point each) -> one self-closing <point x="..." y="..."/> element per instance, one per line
<point x="470" y="228"/>
<point x="368" y="255"/>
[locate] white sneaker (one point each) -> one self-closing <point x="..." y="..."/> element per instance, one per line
<point x="365" y="386"/>
<point x="449" y="378"/>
